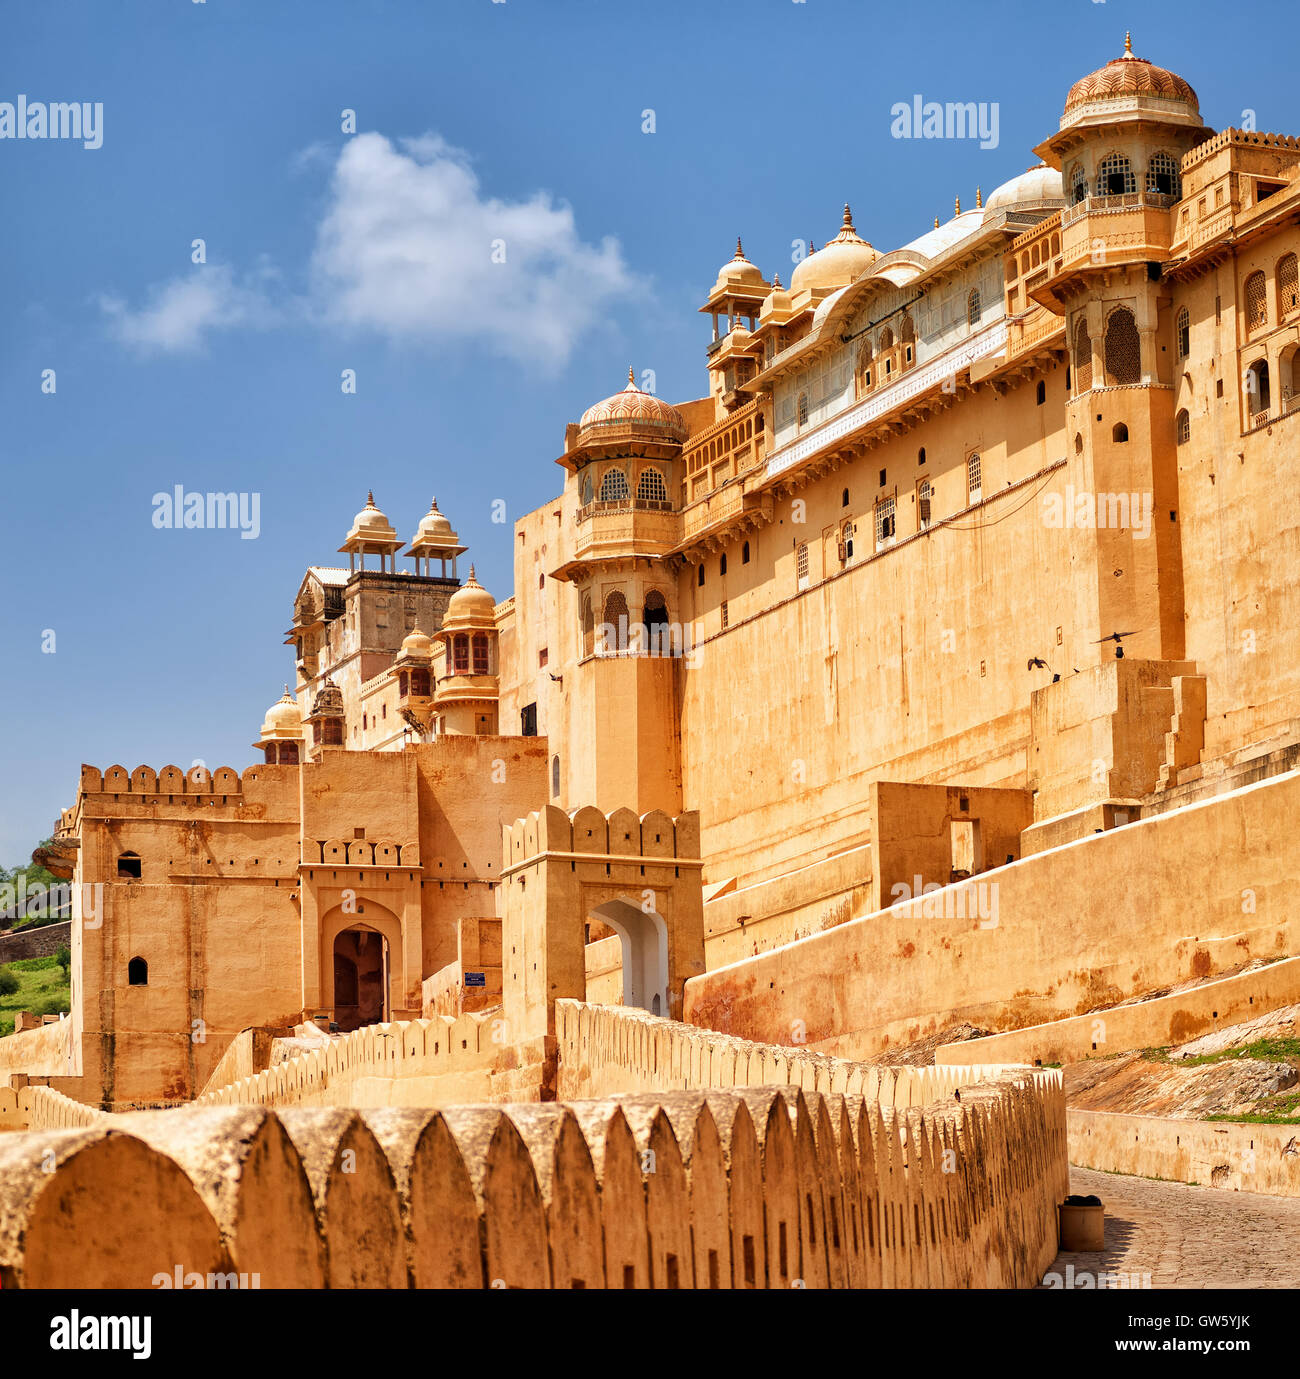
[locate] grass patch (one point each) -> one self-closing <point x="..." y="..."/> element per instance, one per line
<point x="1272" y="1050"/>
<point x="42" y="989"/>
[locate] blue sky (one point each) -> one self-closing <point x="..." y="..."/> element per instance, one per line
<point x="327" y="251"/>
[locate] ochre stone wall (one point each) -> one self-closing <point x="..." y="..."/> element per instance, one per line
<point x="1238" y="1158"/>
<point x="1156" y="1023"/>
<point x="770" y="1187"/>
<point x="37" y="942"/>
<point x="1191" y="893"/>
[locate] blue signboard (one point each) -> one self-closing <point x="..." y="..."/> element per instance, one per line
<point x="475" y="978"/>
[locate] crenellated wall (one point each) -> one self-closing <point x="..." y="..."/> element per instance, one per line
<point x="763" y="1188"/>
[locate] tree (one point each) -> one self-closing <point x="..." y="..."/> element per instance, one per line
<point x="64" y="959"/>
<point x="8" y="982"/>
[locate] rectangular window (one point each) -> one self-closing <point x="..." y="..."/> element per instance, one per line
<point x="801" y="566"/>
<point x="528" y="720"/>
<point x="885" y="518"/>
<point x="724" y="613"/>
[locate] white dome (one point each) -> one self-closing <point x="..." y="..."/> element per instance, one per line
<point x="1037" y="187"/>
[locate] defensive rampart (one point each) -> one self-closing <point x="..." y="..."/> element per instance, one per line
<point x="760" y="1188"/>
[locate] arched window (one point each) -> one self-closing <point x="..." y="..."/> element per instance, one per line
<point x="615" y="616"/>
<point x="887" y="344"/>
<point x="587" y="623"/>
<point x="555" y="777"/>
<point x="802" y="411"/>
<point x="924" y="494"/>
<point x="480" y="644"/>
<point x="1123" y="349"/>
<point x="137" y="972"/>
<point x="1288" y="290"/>
<point x="613" y="486"/>
<point x="1183" y="424"/>
<point x="865" y="358"/>
<point x="1163" y="175"/>
<point x="1078" y="443"/>
<point x="128" y="866"/>
<point x="844" y="498"/>
<point x="1115" y="176"/>
<point x="1256" y="302"/>
<point x="907" y="334"/>
<point x="973" y="308"/>
<point x="585" y="488"/>
<point x="460" y="654"/>
<point x="744" y="554"/>
<point x="974" y="479"/>
<point x="1040" y="393"/>
<point x="1183" y="332"/>
<point x="1082" y="355"/>
<point x="1078" y="184"/>
<point x="1119" y="433"/>
<point x="654" y="617"/>
<point x="651" y="487"/>
<point x="1259" y="397"/>
<point x="920" y="455"/>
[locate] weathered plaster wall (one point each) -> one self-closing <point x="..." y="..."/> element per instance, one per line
<point x="1184" y="894"/>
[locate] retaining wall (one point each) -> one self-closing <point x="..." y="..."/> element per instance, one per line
<point x="1157" y="1023"/>
<point x="1233" y="1156"/>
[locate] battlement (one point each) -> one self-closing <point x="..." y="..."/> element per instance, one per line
<point x="588" y="833"/>
<point x="170" y="781"/>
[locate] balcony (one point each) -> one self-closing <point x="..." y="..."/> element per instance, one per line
<point x="617" y="527"/>
<point x="1124" y="226"/>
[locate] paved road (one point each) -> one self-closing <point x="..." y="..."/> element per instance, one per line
<point x="1190" y="1237"/>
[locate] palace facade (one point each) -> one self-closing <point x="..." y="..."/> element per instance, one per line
<point x="973" y="547"/>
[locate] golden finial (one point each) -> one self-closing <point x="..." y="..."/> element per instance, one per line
<point x="286" y="691"/>
<point x="472" y="577"/>
<point x="979" y="199"/>
<point x="370" y="498"/>
<point x="848" y="217"/>
<point x="936" y="222"/>
<point x="740" y="253"/>
<point x="957" y="203"/>
<point x="776" y="280"/>
<point x="631" y="376"/>
<point x="1128" y="44"/>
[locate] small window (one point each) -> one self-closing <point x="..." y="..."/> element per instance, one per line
<point x="724" y="613"/>
<point x="924" y="495"/>
<point x="555" y="777"/>
<point x="722" y="565"/>
<point x="844" y="498"/>
<point x="1256" y="302"/>
<point x="1162" y="175"/>
<point x="1259" y="397"/>
<point x="1078" y="184"/>
<point x="1041" y="392"/>
<point x="613" y="486"/>
<point x="1119" y="433"/>
<point x="920" y="455"/>
<point x="973" y="308"/>
<point x="744" y="554"/>
<point x="1123" y="348"/>
<point x="803" y="409"/>
<point x="883" y="474"/>
<point x="528" y="721"/>
<point x="1183" y="333"/>
<point x="1288" y="288"/>
<point x="137" y="972"/>
<point x="1078" y="443"/>
<point x="699" y="579"/>
<point x="801" y="565"/>
<point x="1184" y="425"/>
<point x="128" y="867"/>
<point x="651" y="487"/>
<point x="885" y="521"/>
<point x="1115" y="176"/>
<point x="974" y="479"/>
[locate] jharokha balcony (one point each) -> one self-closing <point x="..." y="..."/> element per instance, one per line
<point x="613" y="527"/>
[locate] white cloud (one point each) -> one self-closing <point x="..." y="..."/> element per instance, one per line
<point x="181" y="312"/>
<point x="407" y="248"/>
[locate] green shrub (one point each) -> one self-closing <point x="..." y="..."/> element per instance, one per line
<point x="8" y="982"/>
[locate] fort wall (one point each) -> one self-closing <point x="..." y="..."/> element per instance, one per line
<point x="1187" y="894"/>
<point x="1155" y="1023"/>
<point x="1235" y="1157"/>
<point x="762" y="1188"/>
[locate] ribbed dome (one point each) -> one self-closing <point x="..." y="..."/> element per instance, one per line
<point x="1129" y="76"/>
<point x="470" y="603"/>
<point x="283" y="718"/>
<point x="632" y="407"/>
<point x="838" y="262"/>
<point x="738" y="272"/>
<point x="1039" y="186"/>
